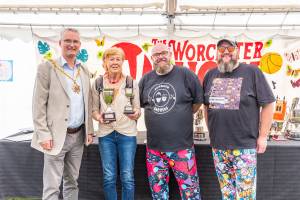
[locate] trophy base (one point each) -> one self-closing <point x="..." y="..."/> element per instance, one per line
<point x="293" y="135"/>
<point x="127" y="112"/>
<point x="109" y="117"/>
<point x="200" y="136"/>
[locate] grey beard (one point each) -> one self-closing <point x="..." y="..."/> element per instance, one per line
<point x="227" y="67"/>
<point x="163" y="71"/>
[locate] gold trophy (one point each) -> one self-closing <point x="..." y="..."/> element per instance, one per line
<point x="109" y="115"/>
<point x="128" y="109"/>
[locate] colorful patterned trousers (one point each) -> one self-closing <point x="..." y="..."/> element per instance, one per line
<point x="236" y="171"/>
<point x="183" y="164"/>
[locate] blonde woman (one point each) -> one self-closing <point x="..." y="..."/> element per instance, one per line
<point x="117" y="136"/>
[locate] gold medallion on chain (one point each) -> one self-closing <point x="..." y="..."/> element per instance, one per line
<point x="75" y="86"/>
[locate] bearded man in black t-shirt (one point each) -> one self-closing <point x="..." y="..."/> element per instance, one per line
<point x="170" y="95"/>
<point x="238" y="112"/>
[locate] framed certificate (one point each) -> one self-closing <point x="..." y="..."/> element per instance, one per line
<point x="6" y="70"/>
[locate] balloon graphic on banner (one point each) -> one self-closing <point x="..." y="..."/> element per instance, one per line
<point x="132" y="51"/>
<point x="270" y="62"/>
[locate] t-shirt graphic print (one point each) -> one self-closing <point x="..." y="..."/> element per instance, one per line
<point x="162" y="97"/>
<point x="225" y="93"/>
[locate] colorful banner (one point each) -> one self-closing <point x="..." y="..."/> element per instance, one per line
<point x="277" y="57"/>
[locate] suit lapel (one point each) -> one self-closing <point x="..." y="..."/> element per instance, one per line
<point x="84" y="81"/>
<point x="61" y="76"/>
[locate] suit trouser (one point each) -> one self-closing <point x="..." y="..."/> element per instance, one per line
<point x="65" y="165"/>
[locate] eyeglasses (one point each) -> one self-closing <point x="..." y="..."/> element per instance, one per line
<point x="69" y="42"/>
<point x="163" y="53"/>
<point x="230" y="49"/>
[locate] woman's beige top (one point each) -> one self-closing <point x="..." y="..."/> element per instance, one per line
<point x="123" y="124"/>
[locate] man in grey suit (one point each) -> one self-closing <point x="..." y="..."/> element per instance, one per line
<point x="62" y="117"/>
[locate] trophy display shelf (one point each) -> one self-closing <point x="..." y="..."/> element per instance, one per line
<point x="292" y="135"/>
<point x="276" y="133"/>
<point x="293" y="124"/>
<point x="277" y="136"/>
<point x="293" y="129"/>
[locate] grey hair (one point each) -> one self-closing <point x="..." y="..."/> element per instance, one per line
<point x="68" y="29"/>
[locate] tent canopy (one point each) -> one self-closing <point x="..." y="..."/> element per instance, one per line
<point x="171" y="14"/>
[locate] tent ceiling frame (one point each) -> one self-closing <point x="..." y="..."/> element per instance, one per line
<point x="82" y="25"/>
<point x="175" y="25"/>
<point x="169" y="9"/>
<point x="188" y="9"/>
<point x="149" y="8"/>
<point x="171" y="6"/>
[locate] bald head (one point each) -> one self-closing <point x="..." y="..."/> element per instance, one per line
<point x="161" y="58"/>
<point x="158" y="48"/>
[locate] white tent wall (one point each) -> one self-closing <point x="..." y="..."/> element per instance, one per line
<point x="19" y="36"/>
<point x="15" y="100"/>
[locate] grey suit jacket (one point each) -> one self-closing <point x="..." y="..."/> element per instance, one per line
<point x="51" y="107"/>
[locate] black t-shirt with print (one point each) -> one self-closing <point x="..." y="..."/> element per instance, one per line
<point x="234" y="101"/>
<point x="167" y="101"/>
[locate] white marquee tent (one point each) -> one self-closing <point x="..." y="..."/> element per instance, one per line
<point x="24" y="23"/>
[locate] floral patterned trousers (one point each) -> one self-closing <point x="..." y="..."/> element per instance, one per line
<point x="236" y="171"/>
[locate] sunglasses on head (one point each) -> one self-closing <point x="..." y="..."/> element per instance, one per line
<point x="230" y="49"/>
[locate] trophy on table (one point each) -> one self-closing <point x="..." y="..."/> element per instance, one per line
<point x="293" y="122"/>
<point x="199" y="133"/>
<point x="109" y="115"/>
<point x="128" y="109"/>
<point x="278" y="120"/>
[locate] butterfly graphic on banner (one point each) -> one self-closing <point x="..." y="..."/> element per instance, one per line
<point x="100" y="42"/>
<point x="292" y="72"/>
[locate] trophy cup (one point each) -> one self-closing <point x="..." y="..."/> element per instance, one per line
<point x="109" y="115"/>
<point x="128" y="109"/>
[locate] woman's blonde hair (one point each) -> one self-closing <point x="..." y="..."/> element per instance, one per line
<point x="111" y="52"/>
